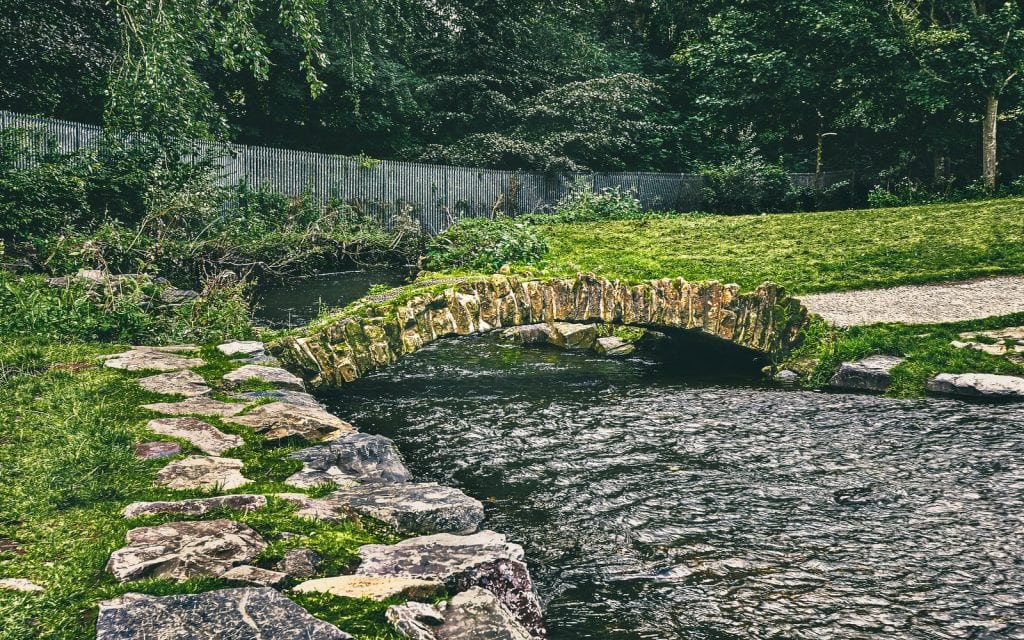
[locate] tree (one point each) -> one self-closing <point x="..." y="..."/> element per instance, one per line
<point x="972" y="48"/>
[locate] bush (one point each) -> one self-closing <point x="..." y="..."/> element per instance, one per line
<point x="748" y="184"/>
<point x="908" y="192"/>
<point x="583" y="205"/>
<point x="484" y="244"/>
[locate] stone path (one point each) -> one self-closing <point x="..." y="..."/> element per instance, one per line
<point x="921" y="304"/>
<point x="493" y="595"/>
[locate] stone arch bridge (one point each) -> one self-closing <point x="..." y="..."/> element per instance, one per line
<point x="372" y="334"/>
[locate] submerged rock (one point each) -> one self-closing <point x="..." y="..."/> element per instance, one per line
<point x="978" y="385"/>
<point x="201" y="435"/>
<point x="198" y="406"/>
<point x="228" y="614"/>
<point x="373" y="587"/>
<point x="356" y="457"/>
<point x="184" y="550"/>
<point x="271" y="375"/>
<point x="280" y="420"/>
<point x="176" y="383"/>
<point x="414" y="508"/>
<point x="870" y="374"/>
<point x="475" y="614"/>
<point x="202" y="472"/>
<point x="195" y="507"/>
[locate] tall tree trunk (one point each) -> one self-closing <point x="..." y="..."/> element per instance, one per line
<point x="989" y="149"/>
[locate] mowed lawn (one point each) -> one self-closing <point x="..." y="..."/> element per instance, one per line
<point x="805" y="252"/>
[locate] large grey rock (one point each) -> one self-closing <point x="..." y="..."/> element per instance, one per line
<point x="613" y="346"/>
<point x="202" y="472"/>
<point x="280" y="395"/>
<point x="203" y="436"/>
<point x="279" y="420"/>
<point x="195" y="507"/>
<point x="356" y="457"/>
<point x="271" y="375"/>
<point x="249" y="348"/>
<point x="229" y="614"/>
<point x="475" y="614"/>
<point x="978" y="385"/>
<point x="176" y="383"/>
<point x="184" y="550"/>
<point x="510" y="581"/>
<point x="568" y="335"/>
<point x="870" y="374"/>
<point x="414" y="508"/>
<point x="528" y="335"/>
<point x="197" y="406"/>
<point x="373" y="587"/>
<point x="151" y="359"/>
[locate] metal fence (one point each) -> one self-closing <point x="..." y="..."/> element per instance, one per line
<point x="435" y="195"/>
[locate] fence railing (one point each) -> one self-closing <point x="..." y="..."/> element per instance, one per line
<point x="435" y="195"/>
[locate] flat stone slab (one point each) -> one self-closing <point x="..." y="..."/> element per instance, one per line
<point x="357" y="457"/>
<point x="255" y="575"/>
<point x="184" y="550"/>
<point x="177" y="383"/>
<point x="984" y="386"/>
<point x="156" y="450"/>
<point x="249" y="348"/>
<point x="202" y="472"/>
<point x="228" y="614"/>
<point x="203" y="436"/>
<point x="197" y="406"/>
<point x="317" y="509"/>
<point x="437" y="557"/>
<point x="276" y="376"/>
<point x="195" y="507"/>
<point x="414" y="508"/>
<point x="151" y="359"/>
<point x="280" y="395"/>
<point x="475" y="614"/>
<point x="20" y="584"/>
<point x="870" y="374"/>
<point x="373" y="587"/>
<point x="279" y="420"/>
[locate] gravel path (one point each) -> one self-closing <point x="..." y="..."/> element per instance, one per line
<point x="921" y="304"/>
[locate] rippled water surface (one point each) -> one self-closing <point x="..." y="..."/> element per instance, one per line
<point x="297" y="302"/>
<point x="655" y="505"/>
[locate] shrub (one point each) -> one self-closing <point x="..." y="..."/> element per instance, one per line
<point x="583" y="205"/>
<point x="748" y="184"/>
<point x="484" y="244"/>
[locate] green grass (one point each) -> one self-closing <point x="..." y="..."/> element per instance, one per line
<point x="805" y="252"/>
<point x="67" y="469"/>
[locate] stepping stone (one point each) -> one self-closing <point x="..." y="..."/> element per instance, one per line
<point x="177" y="383"/>
<point x="195" y="507"/>
<point x="573" y="336"/>
<point x="998" y="349"/>
<point x="276" y="376"/>
<point x="984" y="386"/>
<point x="281" y="395"/>
<point x="280" y="420"/>
<point x="249" y="348"/>
<point x="356" y="457"/>
<point x="475" y="614"/>
<point x="413" y="508"/>
<point x="151" y="359"/>
<point x="317" y="509"/>
<point x="870" y="374"/>
<point x="612" y="346"/>
<point x="300" y="563"/>
<point x="373" y="587"/>
<point x="199" y="406"/>
<point x="202" y="472"/>
<point x="20" y="584"/>
<point x="255" y="575"/>
<point x="156" y="450"/>
<point x="184" y="550"/>
<point x="228" y="614"/>
<point x="528" y="335"/>
<point x="1009" y="333"/>
<point x="203" y="436"/>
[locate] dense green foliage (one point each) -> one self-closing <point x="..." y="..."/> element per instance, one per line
<point x="484" y="244"/>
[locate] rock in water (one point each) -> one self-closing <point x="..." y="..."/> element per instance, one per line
<point x="472" y="615"/>
<point x="279" y="420"/>
<point x="528" y="335"/>
<point x="414" y="508"/>
<point x="177" y="383"/>
<point x="203" y="436"/>
<point x="612" y="346"/>
<point x="573" y="336"/>
<point x="229" y="614"/>
<point x="202" y="472"/>
<point x="271" y="375"/>
<point x="184" y="550"/>
<point x="870" y="374"/>
<point x="978" y="385"/>
<point x="356" y="457"/>
<point x="195" y="507"/>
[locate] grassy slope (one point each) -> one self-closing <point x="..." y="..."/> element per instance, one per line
<point x="67" y="469"/>
<point x="806" y="252"/>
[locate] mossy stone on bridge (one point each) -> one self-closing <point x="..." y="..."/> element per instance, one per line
<point x="371" y="336"/>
